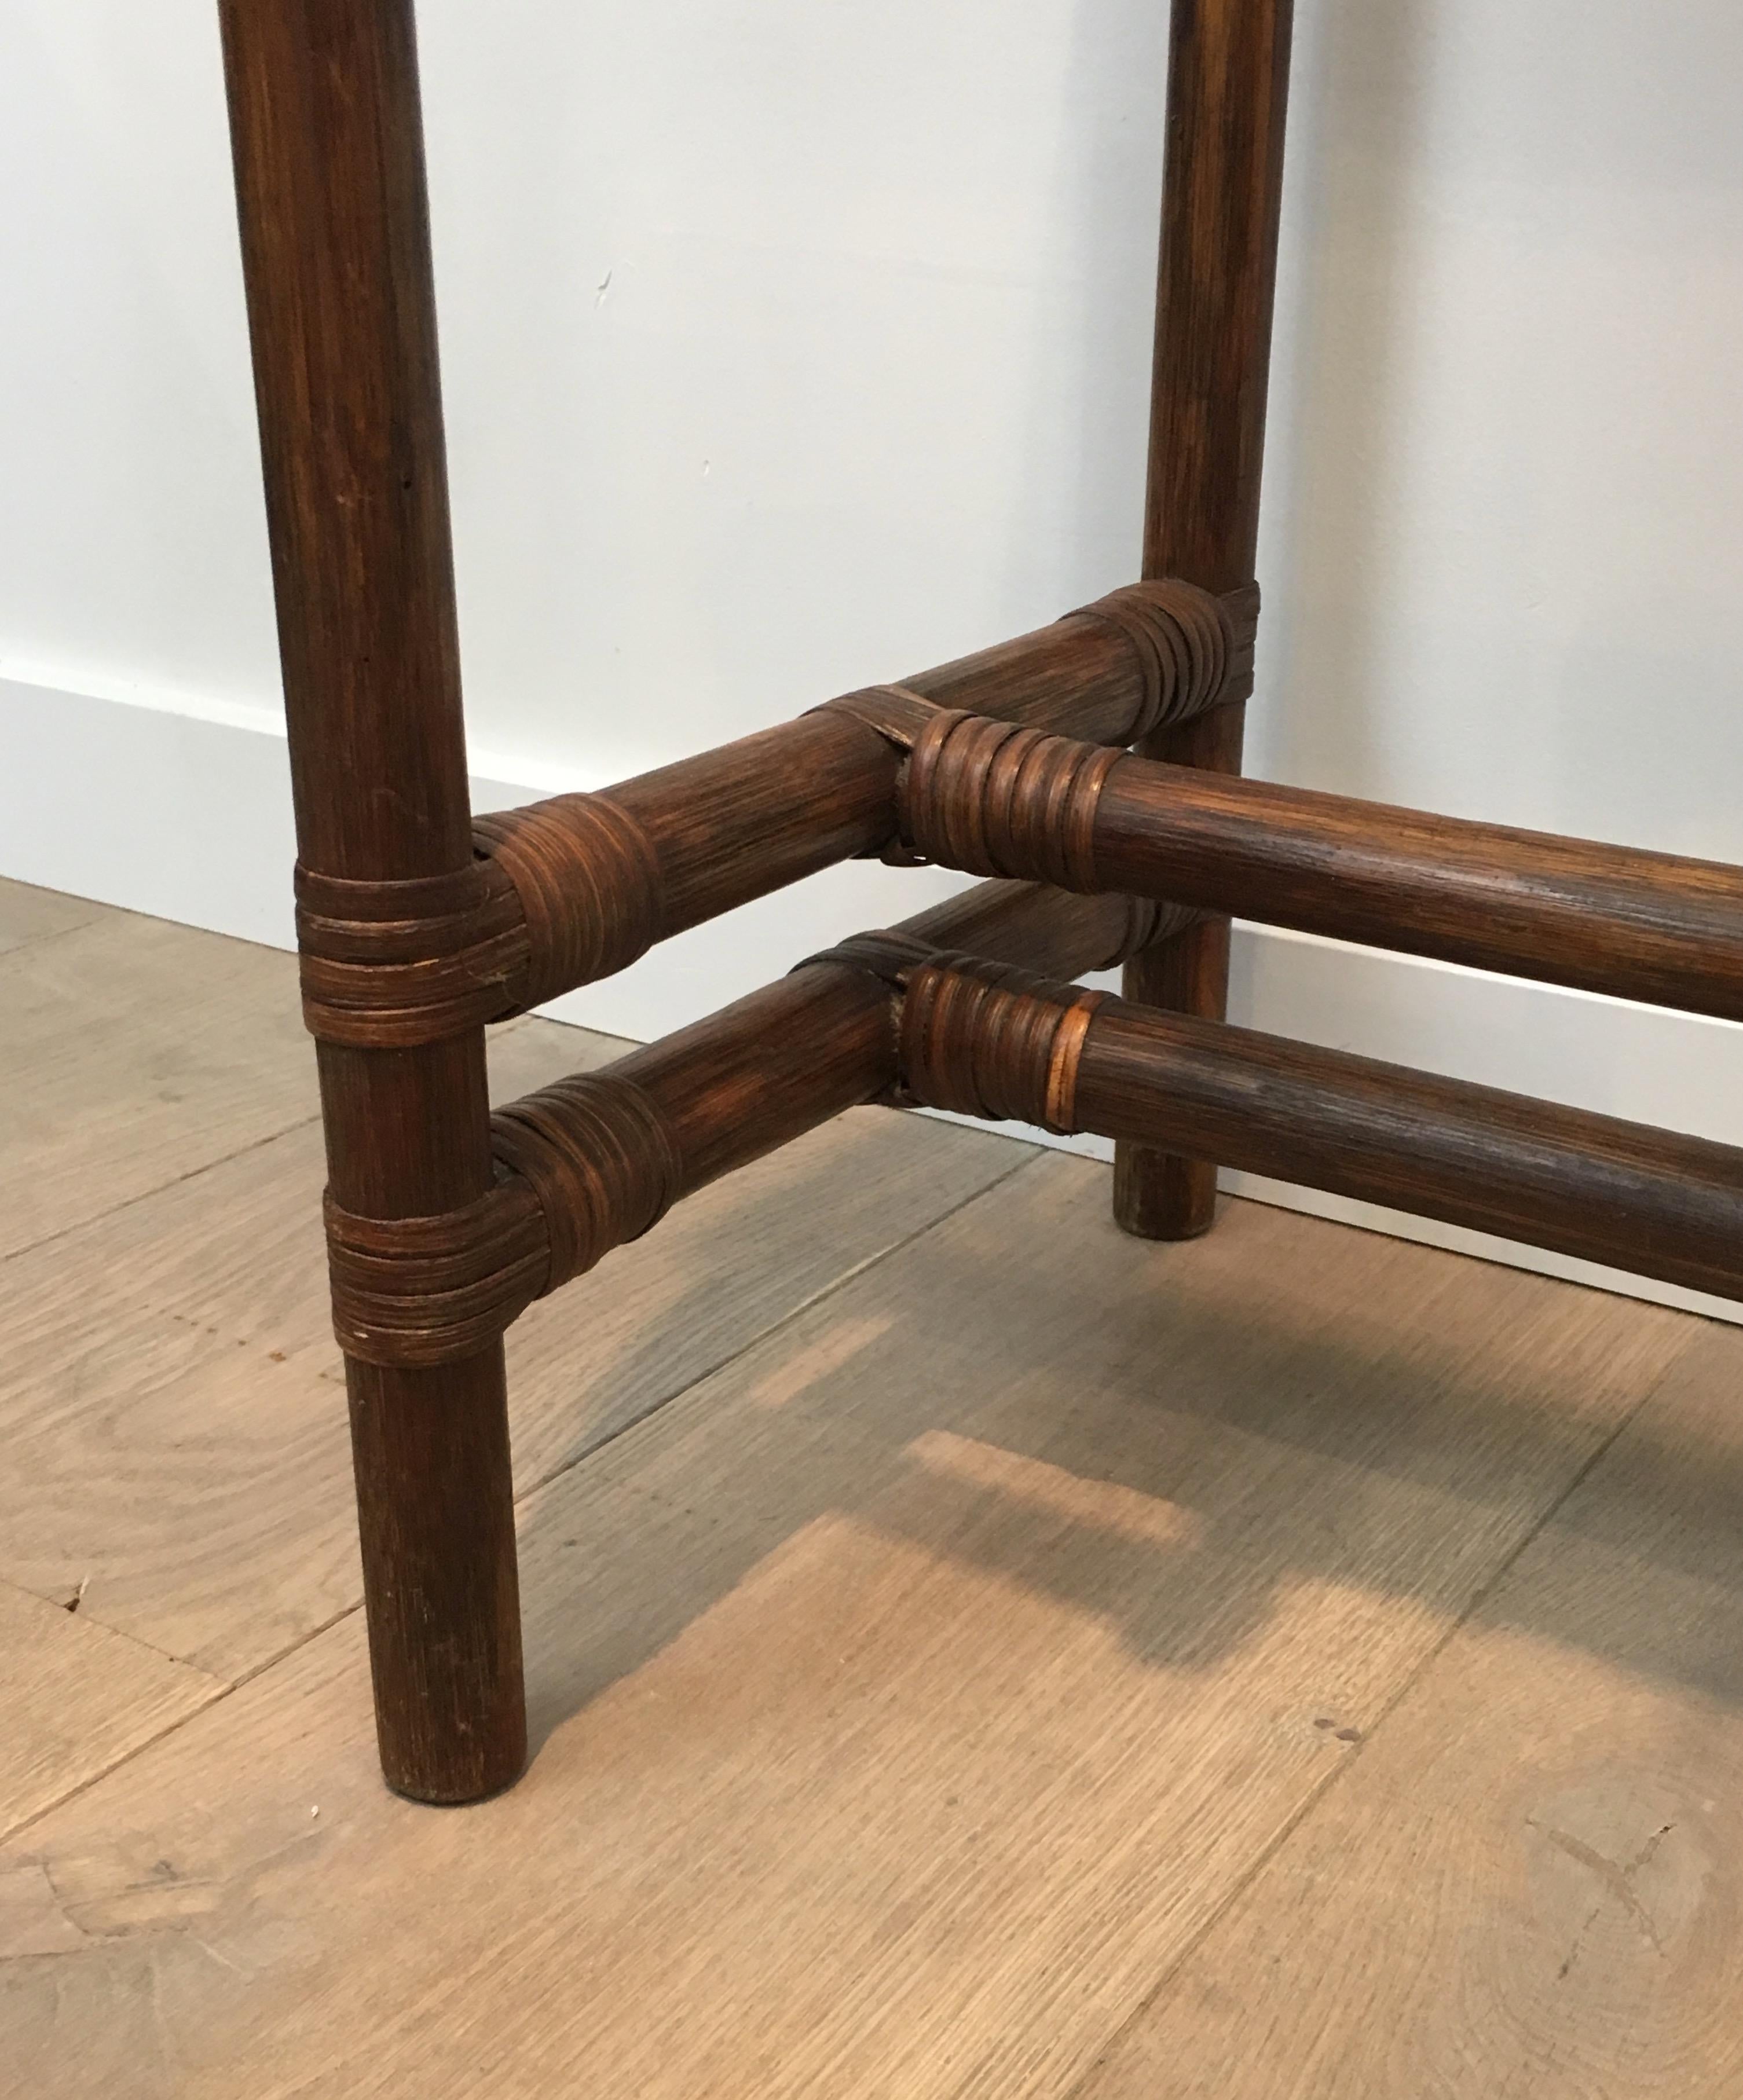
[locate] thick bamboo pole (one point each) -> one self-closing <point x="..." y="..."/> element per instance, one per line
<point x="1648" y="1201"/>
<point x="750" y="1078"/>
<point x="328" y="153"/>
<point x="1649" y="926"/>
<point x="652" y="856"/>
<point x="996" y="800"/>
<point x="1222" y="191"/>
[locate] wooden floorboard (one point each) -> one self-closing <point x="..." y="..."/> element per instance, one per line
<point x="910" y="1695"/>
<point x="136" y="1052"/>
<point x="28" y="914"/>
<point x="971" y="1655"/>
<point x="173" y="1406"/>
<point x="75" y="1699"/>
<point x="1530" y="1883"/>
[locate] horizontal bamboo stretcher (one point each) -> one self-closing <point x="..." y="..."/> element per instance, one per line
<point x="954" y="1009"/>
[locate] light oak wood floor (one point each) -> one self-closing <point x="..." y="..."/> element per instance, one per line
<point x="972" y="1653"/>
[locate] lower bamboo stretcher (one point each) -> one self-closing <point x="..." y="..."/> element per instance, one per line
<point x="960" y="1008"/>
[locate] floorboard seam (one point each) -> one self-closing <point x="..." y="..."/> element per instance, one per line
<point x="220" y="1692"/>
<point x="1406" y="1685"/>
<point x="292" y="1648"/>
<point x="77" y="1611"/>
<point x="221" y="1689"/>
<point x="39" y="940"/>
<point x="145" y="1195"/>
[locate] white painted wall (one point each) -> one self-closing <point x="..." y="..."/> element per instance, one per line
<point x="788" y="348"/>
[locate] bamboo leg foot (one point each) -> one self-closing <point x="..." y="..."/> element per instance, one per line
<point x="435" y="1512"/>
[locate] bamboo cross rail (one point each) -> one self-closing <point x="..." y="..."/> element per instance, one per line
<point x="419" y="926"/>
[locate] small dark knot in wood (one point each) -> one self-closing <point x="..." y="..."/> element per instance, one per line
<point x="391" y="965"/>
<point x="1195" y="649"/>
<point x="987" y="1039"/>
<point x="589" y="883"/>
<point x="997" y="799"/>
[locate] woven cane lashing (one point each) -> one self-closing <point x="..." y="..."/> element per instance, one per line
<point x="421" y="1291"/>
<point x="589" y="885"/>
<point x="987" y="1039"/>
<point x="1195" y="648"/>
<point x="562" y="892"/>
<point x="600" y="1159"/>
<point x="572" y="889"/>
<point x="997" y="799"/>
<point x="391" y="965"/>
<point x="582" y="1166"/>
<point x="1194" y="651"/>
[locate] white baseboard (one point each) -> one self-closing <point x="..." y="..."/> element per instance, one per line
<point x="187" y="817"/>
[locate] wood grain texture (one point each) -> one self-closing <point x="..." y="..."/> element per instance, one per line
<point x="1528" y="1880"/>
<point x="595" y="1159"/>
<point x="1618" y="920"/>
<point x="910" y="1695"/>
<point x="577" y="886"/>
<point x="1222" y="208"/>
<point x="112" y="1090"/>
<point x="174" y="1409"/>
<point x="1168" y="1195"/>
<point x="75" y="1699"/>
<point x="992" y="798"/>
<point x="1595" y="1187"/>
<point x="28" y="914"/>
<point x="327" y="138"/>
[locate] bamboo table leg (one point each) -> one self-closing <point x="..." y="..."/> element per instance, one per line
<point x="1227" y="87"/>
<point x="329" y="168"/>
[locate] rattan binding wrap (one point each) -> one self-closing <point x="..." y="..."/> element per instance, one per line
<point x="987" y="1039"/>
<point x="598" y="1155"/>
<point x="568" y="890"/>
<point x="422" y="1291"/>
<point x="997" y="799"/>
<point x="589" y="885"/>
<point x="391" y="965"/>
<point x="1193" y="651"/>
<point x="582" y="1166"/>
<point x="561" y="893"/>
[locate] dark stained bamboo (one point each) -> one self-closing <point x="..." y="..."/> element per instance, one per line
<point x="1648" y="1201"/>
<point x="1222" y="195"/>
<point x="1070" y="672"/>
<point x="749" y="1079"/>
<point x="1654" y="1201"/>
<point x="713" y="830"/>
<point x="595" y="1159"/>
<point x="998" y="799"/>
<point x="1054" y="933"/>
<point x="328" y="157"/>
<point x="1637" y="925"/>
<point x="730" y="825"/>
